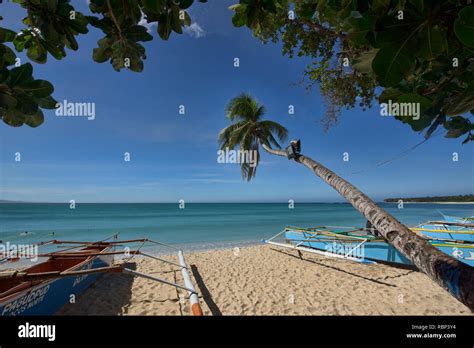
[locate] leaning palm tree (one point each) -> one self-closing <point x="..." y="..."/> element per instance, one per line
<point x="248" y="132"/>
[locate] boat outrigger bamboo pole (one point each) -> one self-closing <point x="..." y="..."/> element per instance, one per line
<point x="319" y="252"/>
<point x="193" y="297"/>
<point x="447" y="223"/>
<point x="25" y="276"/>
<point x="454" y="276"/>
<point x="150" y="277"/>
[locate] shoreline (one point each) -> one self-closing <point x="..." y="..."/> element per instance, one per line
<point x="199" y="248"/>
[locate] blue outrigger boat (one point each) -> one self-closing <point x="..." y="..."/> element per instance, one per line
<point x="444" y="230"/>
<point x="458" y="219"/>
<point x="44" y="288"/>
<point x="358" y="244"/>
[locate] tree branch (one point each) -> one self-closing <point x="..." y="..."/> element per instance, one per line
<point x="114" y="19"/>
<point x="323" y="29"/>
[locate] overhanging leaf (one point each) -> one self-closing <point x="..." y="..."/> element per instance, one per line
<point x="47" y="102"/>
<point x="391" y="65"/>
<point x="7" y="56"/>
<point x="457" y="126"/>
<point x="39" y="88"/>
<point x="184" y="4"/>
<point x="431" y="41"/>
<point x="461" y="104"/>
<point x="35" y="120"/>
<point x="164" y="26"/>
<point x="36" y="52"/>
<point x="175" y="21"/>
<point x="7" y="101"/>
<point x="464" y="26"/>
<point x="389" y="94"/>
<point x="138" y="33"/>
<point x="6" y="35"/>
<point x="20" y="75"/>
<point x="363" y="63"/>
<point x="424" y="102"/>
<point x="380" y="6"/>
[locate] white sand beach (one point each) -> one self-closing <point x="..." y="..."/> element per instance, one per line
<point x="263" y="280"/>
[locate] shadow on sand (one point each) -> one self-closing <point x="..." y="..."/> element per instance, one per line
<point x="410" y="268"/>
<point x="113" y="289"/>
<point x="206" y="295"/>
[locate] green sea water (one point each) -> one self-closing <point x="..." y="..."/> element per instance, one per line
<point x="197" y="226"/>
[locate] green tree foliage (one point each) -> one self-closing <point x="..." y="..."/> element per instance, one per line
<point x="459" y="198"/>
<point x="399" y="50"/>
<point x="52" y="27"/>
<point x="418" y="51"/>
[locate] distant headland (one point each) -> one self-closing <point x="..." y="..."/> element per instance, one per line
<point x="434" y="199"/>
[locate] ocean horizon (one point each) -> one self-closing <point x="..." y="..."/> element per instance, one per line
<point x="198" y="226"/>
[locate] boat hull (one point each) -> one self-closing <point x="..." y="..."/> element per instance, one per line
<point x="371" y="250"/>
<point x="460" y="251"/>
<point x="48" y="297"/>
<point x="374" y="249"/>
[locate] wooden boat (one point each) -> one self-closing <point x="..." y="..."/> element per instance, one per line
<point x="28" y="295"/>
<point x="358" y="244"/>
<point x="444" y="230"/>
<point x="47" y="286"/>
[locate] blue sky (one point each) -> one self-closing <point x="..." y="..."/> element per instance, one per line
<point x="174" y="156"/>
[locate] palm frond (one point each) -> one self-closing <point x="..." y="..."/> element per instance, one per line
<point x="261" y="110"/>
<point x="270" y="141"/>
<point x="269" y="129"/>
<point x="250" y="143"/>
<point x="231" y="135"/>
<point x="248" y="132"/>
<point x="242" y="107"/>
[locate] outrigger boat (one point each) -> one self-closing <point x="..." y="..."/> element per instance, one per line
<point x="444" y="230"/>
<point x="458" y="219"/>
<point x="357" y="244"/>
<point x="47" y="286"/>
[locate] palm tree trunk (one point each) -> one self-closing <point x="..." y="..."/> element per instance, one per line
<point x="451" y="274"/>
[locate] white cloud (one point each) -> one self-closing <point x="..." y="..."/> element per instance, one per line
<point x="195" y="30"/>
<point x="148" y="26"/>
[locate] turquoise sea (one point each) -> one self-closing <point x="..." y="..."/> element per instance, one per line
<point x="197" y="226"/>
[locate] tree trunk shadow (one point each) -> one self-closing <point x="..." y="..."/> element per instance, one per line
<point x="206" y="295"/>
<point x="335" y="268"/>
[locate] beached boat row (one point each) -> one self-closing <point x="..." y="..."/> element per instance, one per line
<point x="366" y="245"/>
